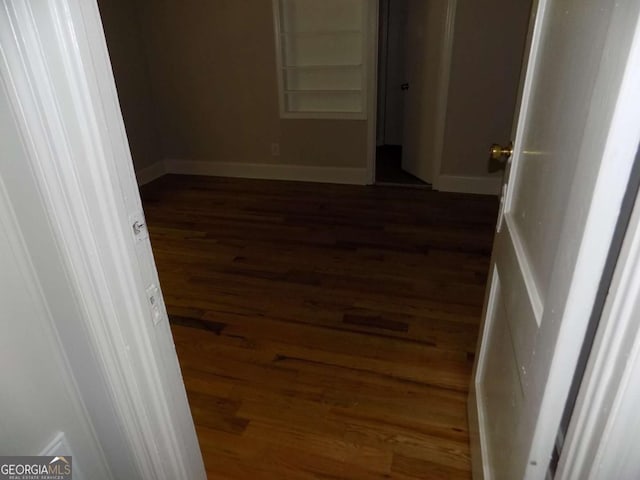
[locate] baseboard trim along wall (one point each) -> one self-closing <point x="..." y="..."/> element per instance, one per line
<point x="460" y="184"/>
<point x="151" y="173"/>
<point x="344" y="175"/>
<point x="301" y="173"/>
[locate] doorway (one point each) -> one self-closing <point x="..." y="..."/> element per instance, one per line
<point x="414" y="58"/>
<point x="392" y="86"/>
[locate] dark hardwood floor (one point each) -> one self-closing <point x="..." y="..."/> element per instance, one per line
<point x="324" y="331"/>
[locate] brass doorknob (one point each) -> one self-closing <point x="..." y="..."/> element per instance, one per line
<point x="498" y="156"/>
<point x="499" y="153"/>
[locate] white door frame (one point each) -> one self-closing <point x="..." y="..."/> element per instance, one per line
<point x="443" y="98"/>
<point x="372" y="90"/>
<point x="605" y="426"/>
<point x="55" y="66"/>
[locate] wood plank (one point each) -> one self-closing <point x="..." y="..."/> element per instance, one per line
<point x="323" y="331"/>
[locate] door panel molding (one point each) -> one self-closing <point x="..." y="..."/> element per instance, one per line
<point x="520" y="253"/>
<point x="475" y="407"/>
<point x="497" y="363"/>
<point x="521" y="317"/>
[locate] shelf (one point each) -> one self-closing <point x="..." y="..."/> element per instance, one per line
<point x="324" y="115"/>
<point x="320" y="52"/>
<point x="321" y="33"/>
<point x="322" y="67"/>
<point x="324" y="101"/>
<point x="303" y="91"/>
<point x="321" y="15"/>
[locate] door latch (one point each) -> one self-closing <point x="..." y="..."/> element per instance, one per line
<point x="138" y="227"/>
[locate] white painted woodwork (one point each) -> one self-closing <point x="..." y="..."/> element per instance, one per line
<point x="429" y="39"/>
<point x="575" y="142"/>
<point x="39" y="397"/>
<point x="603" y="438"/>
<point x="74" y="192"/>
<point x="371" y="93"/>
<point x="381" y="48"/>
<point x="344" y="175"/>
<point x="321" y="57"/>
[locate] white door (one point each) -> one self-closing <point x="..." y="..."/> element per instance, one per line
<point x="425" y="36"/>
<point x="575" y="140"/>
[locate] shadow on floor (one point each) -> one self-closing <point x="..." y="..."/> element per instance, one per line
<point x="389" y="167"/>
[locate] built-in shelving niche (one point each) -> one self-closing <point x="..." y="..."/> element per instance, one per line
<point x="320" y="51"/>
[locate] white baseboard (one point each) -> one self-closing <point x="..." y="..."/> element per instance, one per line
<point x="150" y="173"/>
<point x="459" y="184"/>
<point x="346" y="175"/>
<point x="269" y="171"/>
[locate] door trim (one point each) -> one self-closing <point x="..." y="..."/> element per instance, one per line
<point x="609" y="386"/>
<point x="475" y="404"/>
<point x="605" y="418"/>
<point x="443" y="98"/>
<point x="55" y="59"/>
<point x="372" y="91"/>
